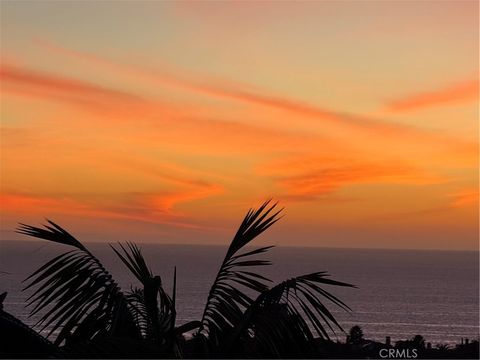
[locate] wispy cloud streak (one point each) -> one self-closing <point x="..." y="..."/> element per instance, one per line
<point x="82" y="94"/>
<point x="308" y="178"/>
<point x="466" y="197"/>
<point x="238" y="92"/>
<point x="459" y="93"/>
<point x="153" y="208"/>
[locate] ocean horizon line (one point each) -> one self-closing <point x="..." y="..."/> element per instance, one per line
<point x="140" y="243"/>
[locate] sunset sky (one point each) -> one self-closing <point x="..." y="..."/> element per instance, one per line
<point x="165" y="121"/>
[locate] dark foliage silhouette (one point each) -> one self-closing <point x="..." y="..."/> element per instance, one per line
<point x="355" y="335"/>
<point x="88" y="315"/>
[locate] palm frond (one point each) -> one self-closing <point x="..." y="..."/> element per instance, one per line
<point x="79" y="302"/>
<point x="154" y="306"/>
<point x="280" y="320"/>
<point x="228" y="297"/>
<point x="52" y="232"/>
<point x="78" y="297"/>
<point x="133" y="259"/>
<point x="136" y="304"/>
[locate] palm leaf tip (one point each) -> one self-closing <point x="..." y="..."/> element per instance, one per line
<point x="133" y="259"/>
<point x="254" y="224"/>
<point x="235" y="281"/>
<point x="51" y="232"/>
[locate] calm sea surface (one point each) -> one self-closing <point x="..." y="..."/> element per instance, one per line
<point x="400" y="294"/>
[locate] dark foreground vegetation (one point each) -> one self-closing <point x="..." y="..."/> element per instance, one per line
<point x="83" y="313"/>
<point x="356" y="347"/>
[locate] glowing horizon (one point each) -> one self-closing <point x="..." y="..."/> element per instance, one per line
<point x="165" y="121"/>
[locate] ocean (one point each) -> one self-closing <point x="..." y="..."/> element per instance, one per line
<point x="400" y="293"/>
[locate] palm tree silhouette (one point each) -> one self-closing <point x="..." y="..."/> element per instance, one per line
<point x="88" y="315"/>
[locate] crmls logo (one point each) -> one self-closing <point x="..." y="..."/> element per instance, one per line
<point x="398" y="353"/>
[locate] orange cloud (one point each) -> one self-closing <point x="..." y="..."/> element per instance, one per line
<point x="238" y="92"/>
<point x="361" y="128"/>
<point x="466" y="91"/>
<point x="307" y="178"/>
<point x="19" y="76"/>
<point x="165" y="122"/>
<point x="167" y="201"/>
<point x="153" y="208"/>
<point x="37" y="84"/>
<point x="465" y="197"/>
<point x="201" y="135"/>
